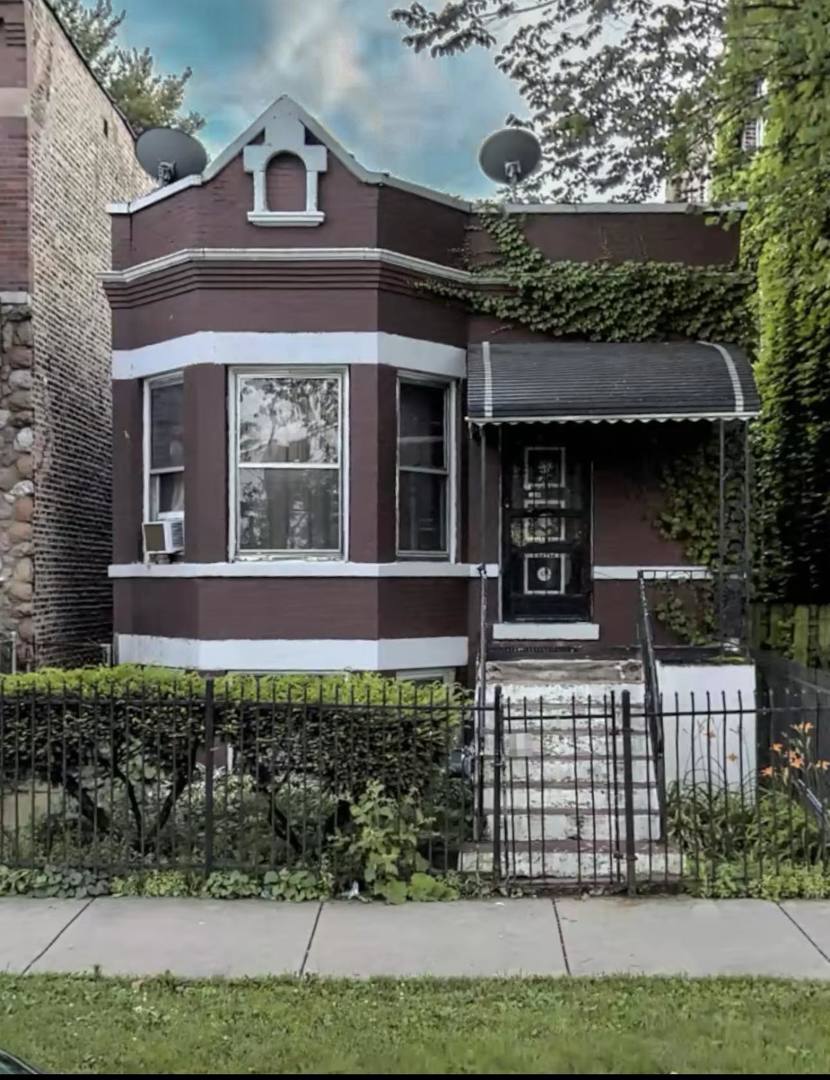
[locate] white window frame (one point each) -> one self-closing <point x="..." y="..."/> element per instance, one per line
<point x="753" y="130"/>
<point x="287" y="371"/>
<point x="171" y="378"/>
<point x="450" y="388"/>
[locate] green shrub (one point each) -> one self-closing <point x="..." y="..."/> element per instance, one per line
<point x="726" y="824"/>
<point x="125" y="747"/>
<point x="381" y="849"/>
<point x="786" y="881"/>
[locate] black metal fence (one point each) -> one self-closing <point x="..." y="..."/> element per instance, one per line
<point x="557" y="793"/>
<point x="184" y="777"/>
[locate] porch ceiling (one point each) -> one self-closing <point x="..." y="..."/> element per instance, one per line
<point x="600" y="382"/>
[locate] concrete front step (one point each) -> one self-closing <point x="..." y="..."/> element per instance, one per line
<point x="568" y="824"/>
<point x="566" y="862"/>
<point x="563" y="698"/>
<point x="570" y="670"/>
<point x="560" y="716"/>
<point x="584" y="770"/>
<point x="524" y="798"/>
<point x="561" y="743"/>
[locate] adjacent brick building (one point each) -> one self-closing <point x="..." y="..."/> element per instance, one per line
<point x="65" y="152"/>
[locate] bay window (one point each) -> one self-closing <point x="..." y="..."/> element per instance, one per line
<point x="423" y="468"/>
<point x="164" y="402"/>
<point x="288" y="462"/>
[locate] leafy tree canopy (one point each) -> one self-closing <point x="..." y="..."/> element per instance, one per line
<point x="626" y="94"/>
<point x="129" y="76"/>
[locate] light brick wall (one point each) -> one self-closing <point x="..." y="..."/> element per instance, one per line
<point x="81" y="157"/>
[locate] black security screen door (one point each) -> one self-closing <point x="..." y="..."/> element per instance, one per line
<point x="547" y="527"/>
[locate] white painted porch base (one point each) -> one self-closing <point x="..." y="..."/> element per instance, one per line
<point x="528" y="631"/>
<point x="388" y="654"/>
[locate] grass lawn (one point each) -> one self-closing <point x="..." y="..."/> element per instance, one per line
<point x="611" y="1025"/>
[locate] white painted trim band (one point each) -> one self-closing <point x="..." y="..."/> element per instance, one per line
<point x="628" y="418"/>
<point x="630" y="573"/>
<point x="732" y="372"/>
<point x="388" y="654"/>
<point x="292" y="255"/>
<point x="570" y="631"/>
<point x="15" y="298"/>
<point x="299" y="568"/>
<point x="247" y="349"/>
<point x="487" y="369"/>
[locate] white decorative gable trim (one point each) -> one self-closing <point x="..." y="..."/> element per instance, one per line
<point x="284" y="134"/>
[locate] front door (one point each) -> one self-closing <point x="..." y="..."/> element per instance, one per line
<point x="546" y="493"/>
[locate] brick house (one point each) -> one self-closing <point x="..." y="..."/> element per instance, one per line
<point x="65" y="151"/>
<point x="351" y="455"/>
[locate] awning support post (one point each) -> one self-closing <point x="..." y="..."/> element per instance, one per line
<point x="721" y="532"/>
<point x="482" y="568"/>
<point x="734" y="534"/>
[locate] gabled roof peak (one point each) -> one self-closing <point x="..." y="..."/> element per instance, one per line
<point x="286" y="107"/>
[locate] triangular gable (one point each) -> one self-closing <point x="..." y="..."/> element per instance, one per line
<point x="281" y="111"/>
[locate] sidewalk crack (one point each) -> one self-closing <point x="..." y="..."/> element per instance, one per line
<point x="561" y="937"/>
<point x="311" y="940"/>
<point x="59" y="934"/>
<point x="800" y="928"/>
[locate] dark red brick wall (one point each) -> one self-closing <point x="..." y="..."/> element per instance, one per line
<point x="215" y="216"/>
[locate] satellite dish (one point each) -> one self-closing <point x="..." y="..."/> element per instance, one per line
<point x="168" y="155"/>
<point x="510" y="155"/>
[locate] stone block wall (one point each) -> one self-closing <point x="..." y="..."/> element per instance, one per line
<point x="16" y="471"/>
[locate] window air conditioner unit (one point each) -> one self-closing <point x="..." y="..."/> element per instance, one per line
<point x="165" y="536"/>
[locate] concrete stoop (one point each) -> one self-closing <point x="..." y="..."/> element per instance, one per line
<point x="562" y="795"/>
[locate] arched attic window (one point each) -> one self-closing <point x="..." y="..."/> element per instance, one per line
<point x="285" y="171"/>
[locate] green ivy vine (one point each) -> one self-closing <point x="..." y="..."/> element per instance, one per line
<point x="599" y="301"/>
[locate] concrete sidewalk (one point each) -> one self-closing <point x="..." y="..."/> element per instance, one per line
<point x="203" y="938"/>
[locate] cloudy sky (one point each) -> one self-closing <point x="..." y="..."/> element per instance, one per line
<point x="413" y="116"/>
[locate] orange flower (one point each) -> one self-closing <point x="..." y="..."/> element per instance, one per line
<point x="796" y="760"/>
<point x="767" y="771"/>
<point x="805" y="726"/>
<point x="732" y="757"/>
<point x="778" y="748"/>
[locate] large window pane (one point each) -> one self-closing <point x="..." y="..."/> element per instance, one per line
<point x="289" y="509"/>
<point x="423" y="512"/>
<point x="422" y="426"/>
<point x="289" y="419"/>
<point x="166" y="426"/>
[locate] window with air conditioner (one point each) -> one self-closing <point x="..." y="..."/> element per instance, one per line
<point x="164" y="464"/>
<point x="288" y="468"/>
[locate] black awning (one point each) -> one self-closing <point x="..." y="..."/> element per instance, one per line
<point x="583" y="381"/>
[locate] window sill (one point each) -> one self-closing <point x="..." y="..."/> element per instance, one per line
<point x="528" y="631"/>
<point x="300" y="568"/>
<point x="277" y="218"/>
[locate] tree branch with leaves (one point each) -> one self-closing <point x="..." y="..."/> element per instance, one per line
<point x="147" y="98"/>
<point x="623" y="94"/>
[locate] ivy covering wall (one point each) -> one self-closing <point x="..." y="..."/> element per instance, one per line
<point x="603" y="301"/>
<point x="786" y="243"/>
